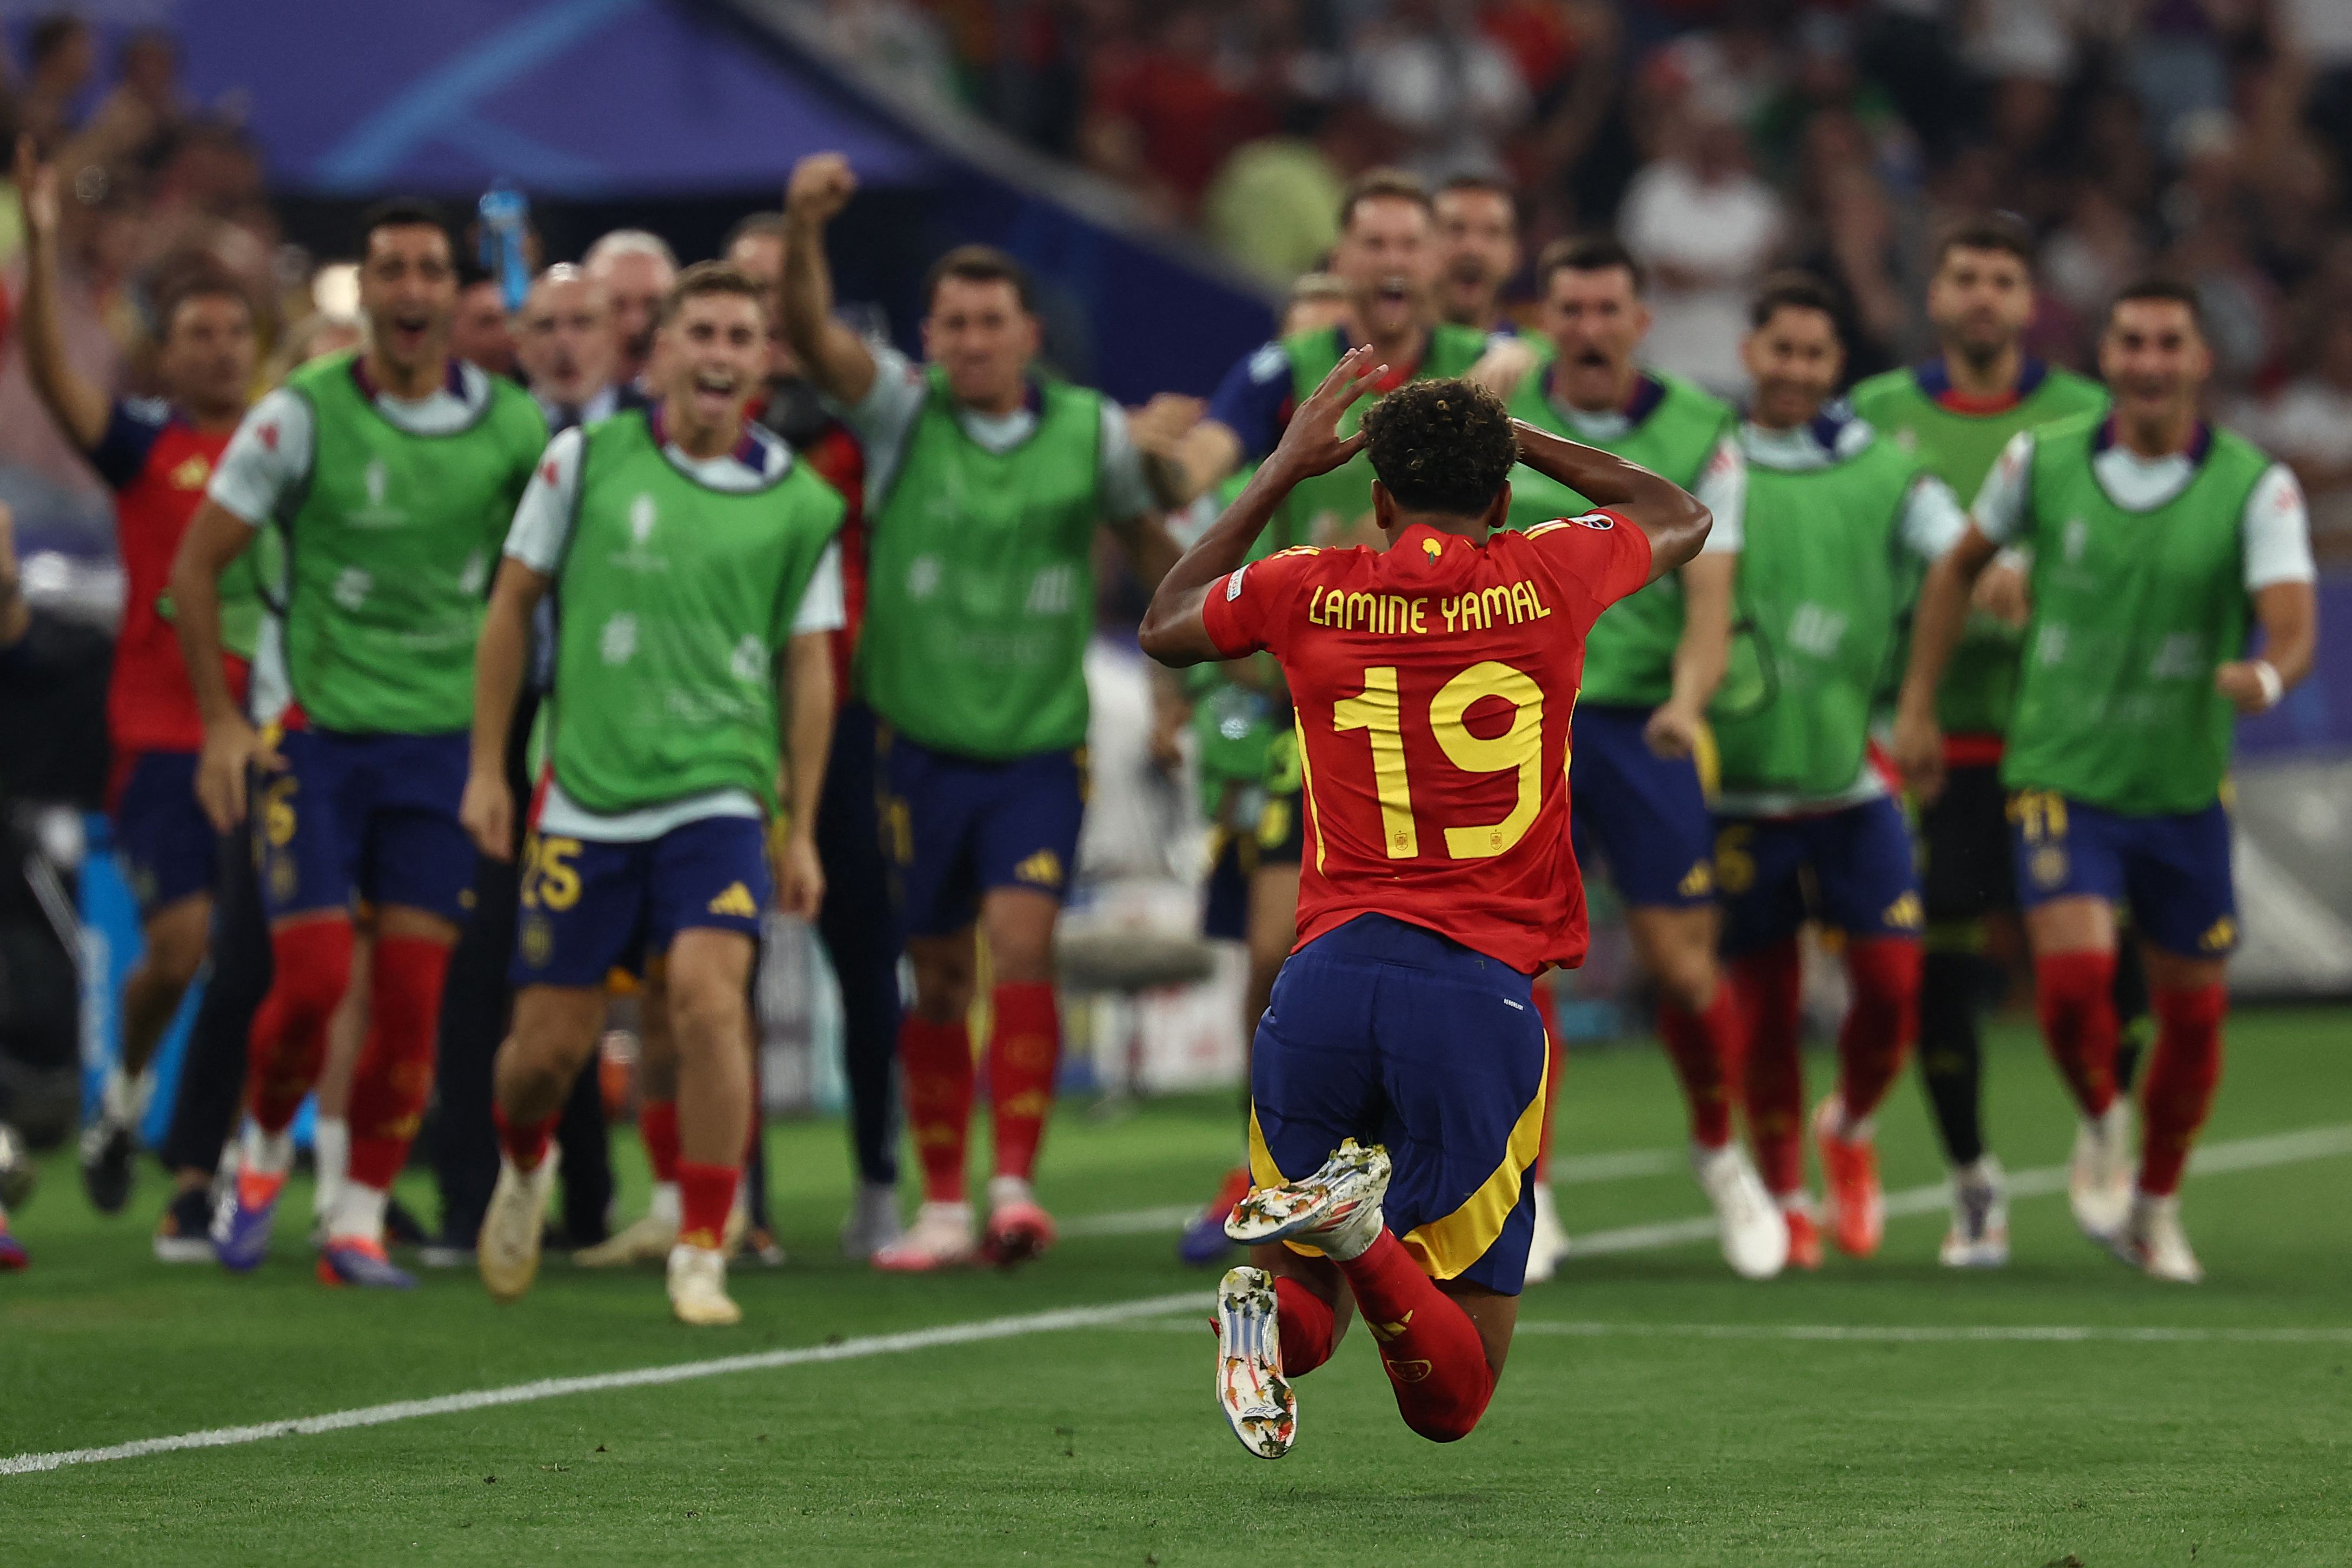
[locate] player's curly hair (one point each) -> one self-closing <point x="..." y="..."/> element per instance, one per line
<point x="1441" y="446"/>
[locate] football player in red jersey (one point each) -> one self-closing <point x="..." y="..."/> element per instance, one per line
<point x="156" y="455"/>
<point x="1397" y="1080"/>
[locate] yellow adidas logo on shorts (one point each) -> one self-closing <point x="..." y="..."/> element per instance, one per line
<point x="736" y="901"/>
<point x="1043" y="870"/>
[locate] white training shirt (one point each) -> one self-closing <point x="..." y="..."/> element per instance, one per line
<point x="2275" y="530"/>
<point x="1721" y="486"/>
<point x="884" y="417"/>
<point x="542" y="526"/>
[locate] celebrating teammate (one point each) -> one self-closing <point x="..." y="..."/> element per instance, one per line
<point x="694" y="556"/>
<point x="389" y="475"/>
<point x="157" y="456"/>
<point x="1838" y="521"/>
<point x="985" y="484"/>
<point x="1397" y="1081"/>
<point x="2152" y="533"/>
<point x="1478" y="221"/>
<point x="1651" y="665"/>
<point x="1955" y="412"/>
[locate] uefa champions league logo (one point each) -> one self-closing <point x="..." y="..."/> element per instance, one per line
<point x="376" y="481"/>
<point x="643" y="515"/>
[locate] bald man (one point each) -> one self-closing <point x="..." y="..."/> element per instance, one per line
<point x="568" y="348"/>
<point x="635" y="270"/>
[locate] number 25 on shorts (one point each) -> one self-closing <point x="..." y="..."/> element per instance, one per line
<point x="1518" y="749"/>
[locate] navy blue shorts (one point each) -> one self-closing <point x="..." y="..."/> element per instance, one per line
<point x="2173" y="872"/>
<point x="588" y="907"/>
<point x="1390" y="1034"/>
<point x="1643" y="813"/>
<point x="1851" y="870"/>
<point x="162" y="836"/>
<point x="365" y="817"/>
<point x="1225" y="907"/>
<point x="958" y="828"/>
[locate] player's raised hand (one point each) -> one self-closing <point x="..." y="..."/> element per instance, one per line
<point x="1160" y="424"/>
<point x="821" y="185"/>
<point x="37" y="189"/>
<point x="1312" y="444"/>
<point x="486" y="811"/>
<point x="231" y="749"/>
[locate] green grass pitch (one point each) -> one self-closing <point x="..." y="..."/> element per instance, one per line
<point x="1655" y="1410"/>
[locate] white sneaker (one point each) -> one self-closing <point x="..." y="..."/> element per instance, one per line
<point x="942" y="1236"/>
<point x="1548" y="1248"/>
<point x="2152" y="1241"/>
<point x="698" y="1288"/>
<point x="507" y="1250"/>
<point x="1747" y="1224"/>
<point x="1255" y="1397"/>
<point x="1979" y="1235"/>
<point x="871" y="1223"/>
<point x="2099" y="1175"/>
<point x="1336" y="1210"/>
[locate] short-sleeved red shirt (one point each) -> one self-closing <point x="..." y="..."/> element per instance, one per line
<point x="1434" y="685"/>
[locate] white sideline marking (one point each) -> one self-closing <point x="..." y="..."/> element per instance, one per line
<point x="642" y="1377"/>
<point x="2238" y="1154"/>
<point x="1584" y="1169"/>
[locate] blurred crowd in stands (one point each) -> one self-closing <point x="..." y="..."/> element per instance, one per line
<point x="1723" y="137"/>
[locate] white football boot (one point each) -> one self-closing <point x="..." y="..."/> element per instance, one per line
<point x="1548" y="1246"/>
<point x="2099" y="1174"/>
<point x="1257" y="1398"/>
<point x="507" y="1250"/>
<point x="871" y="1223"/>
<point x="1336" y="1210"/>
<point x="698" y="1288"/>
<point x="1747" y="1224"/>
<point x="1979" y="1237"/>
<point x="2152" y="1241"/>
<point x="942" y="1236"/>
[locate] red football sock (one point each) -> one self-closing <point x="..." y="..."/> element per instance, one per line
<point x="937" y="1061"/>
<point x="2181" y="1078"/>
<point x="287" y="1044"/>
<point x="1767" y="983"/>
<point x="393" y="1077"/>
<point x="1435" y="1362"/>
<point x="705" y="1195"/>
<point x="525" y="1142"/>
<point x="2074" y="995"/>
<point x="658" y="1129"/>
<point x="1704" y="1049"/>
<point x="1305" y="1322"/>
<point x="1881" y="1021"/>
<point x="1555" y="1064"/>
<point x="1024" y="1048"/>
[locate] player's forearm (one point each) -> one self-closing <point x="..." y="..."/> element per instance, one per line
<point x="498" y="672"/>
<point x="837" y="360"/>
<point x="214" y="538"/>
<point x="1935" y="626"/>
<point x="1674" y="521"/>
<point x="1703" y="651"/>
<point x="2289" y="616"/>
<point x="1172" y="632"/>
<point x="78" y="407"/>
<point x="808" y="691"/>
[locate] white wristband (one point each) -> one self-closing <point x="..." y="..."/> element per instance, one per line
<point x="2273" y="687"/>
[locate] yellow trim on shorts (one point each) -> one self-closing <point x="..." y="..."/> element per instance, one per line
<point x="1708" y="760"/>
<point x="1443" y="1248"/>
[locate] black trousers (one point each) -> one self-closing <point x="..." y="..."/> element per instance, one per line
<point x="211" y="1074"/>
<point x="861" y="935"/>
<point x="477" y="1003"/>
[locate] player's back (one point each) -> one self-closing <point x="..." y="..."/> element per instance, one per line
<point x="1433" y="686"/>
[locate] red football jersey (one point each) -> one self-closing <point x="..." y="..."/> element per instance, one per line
<point x="1434" y="684"/>
<point x="158" y="465"/>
